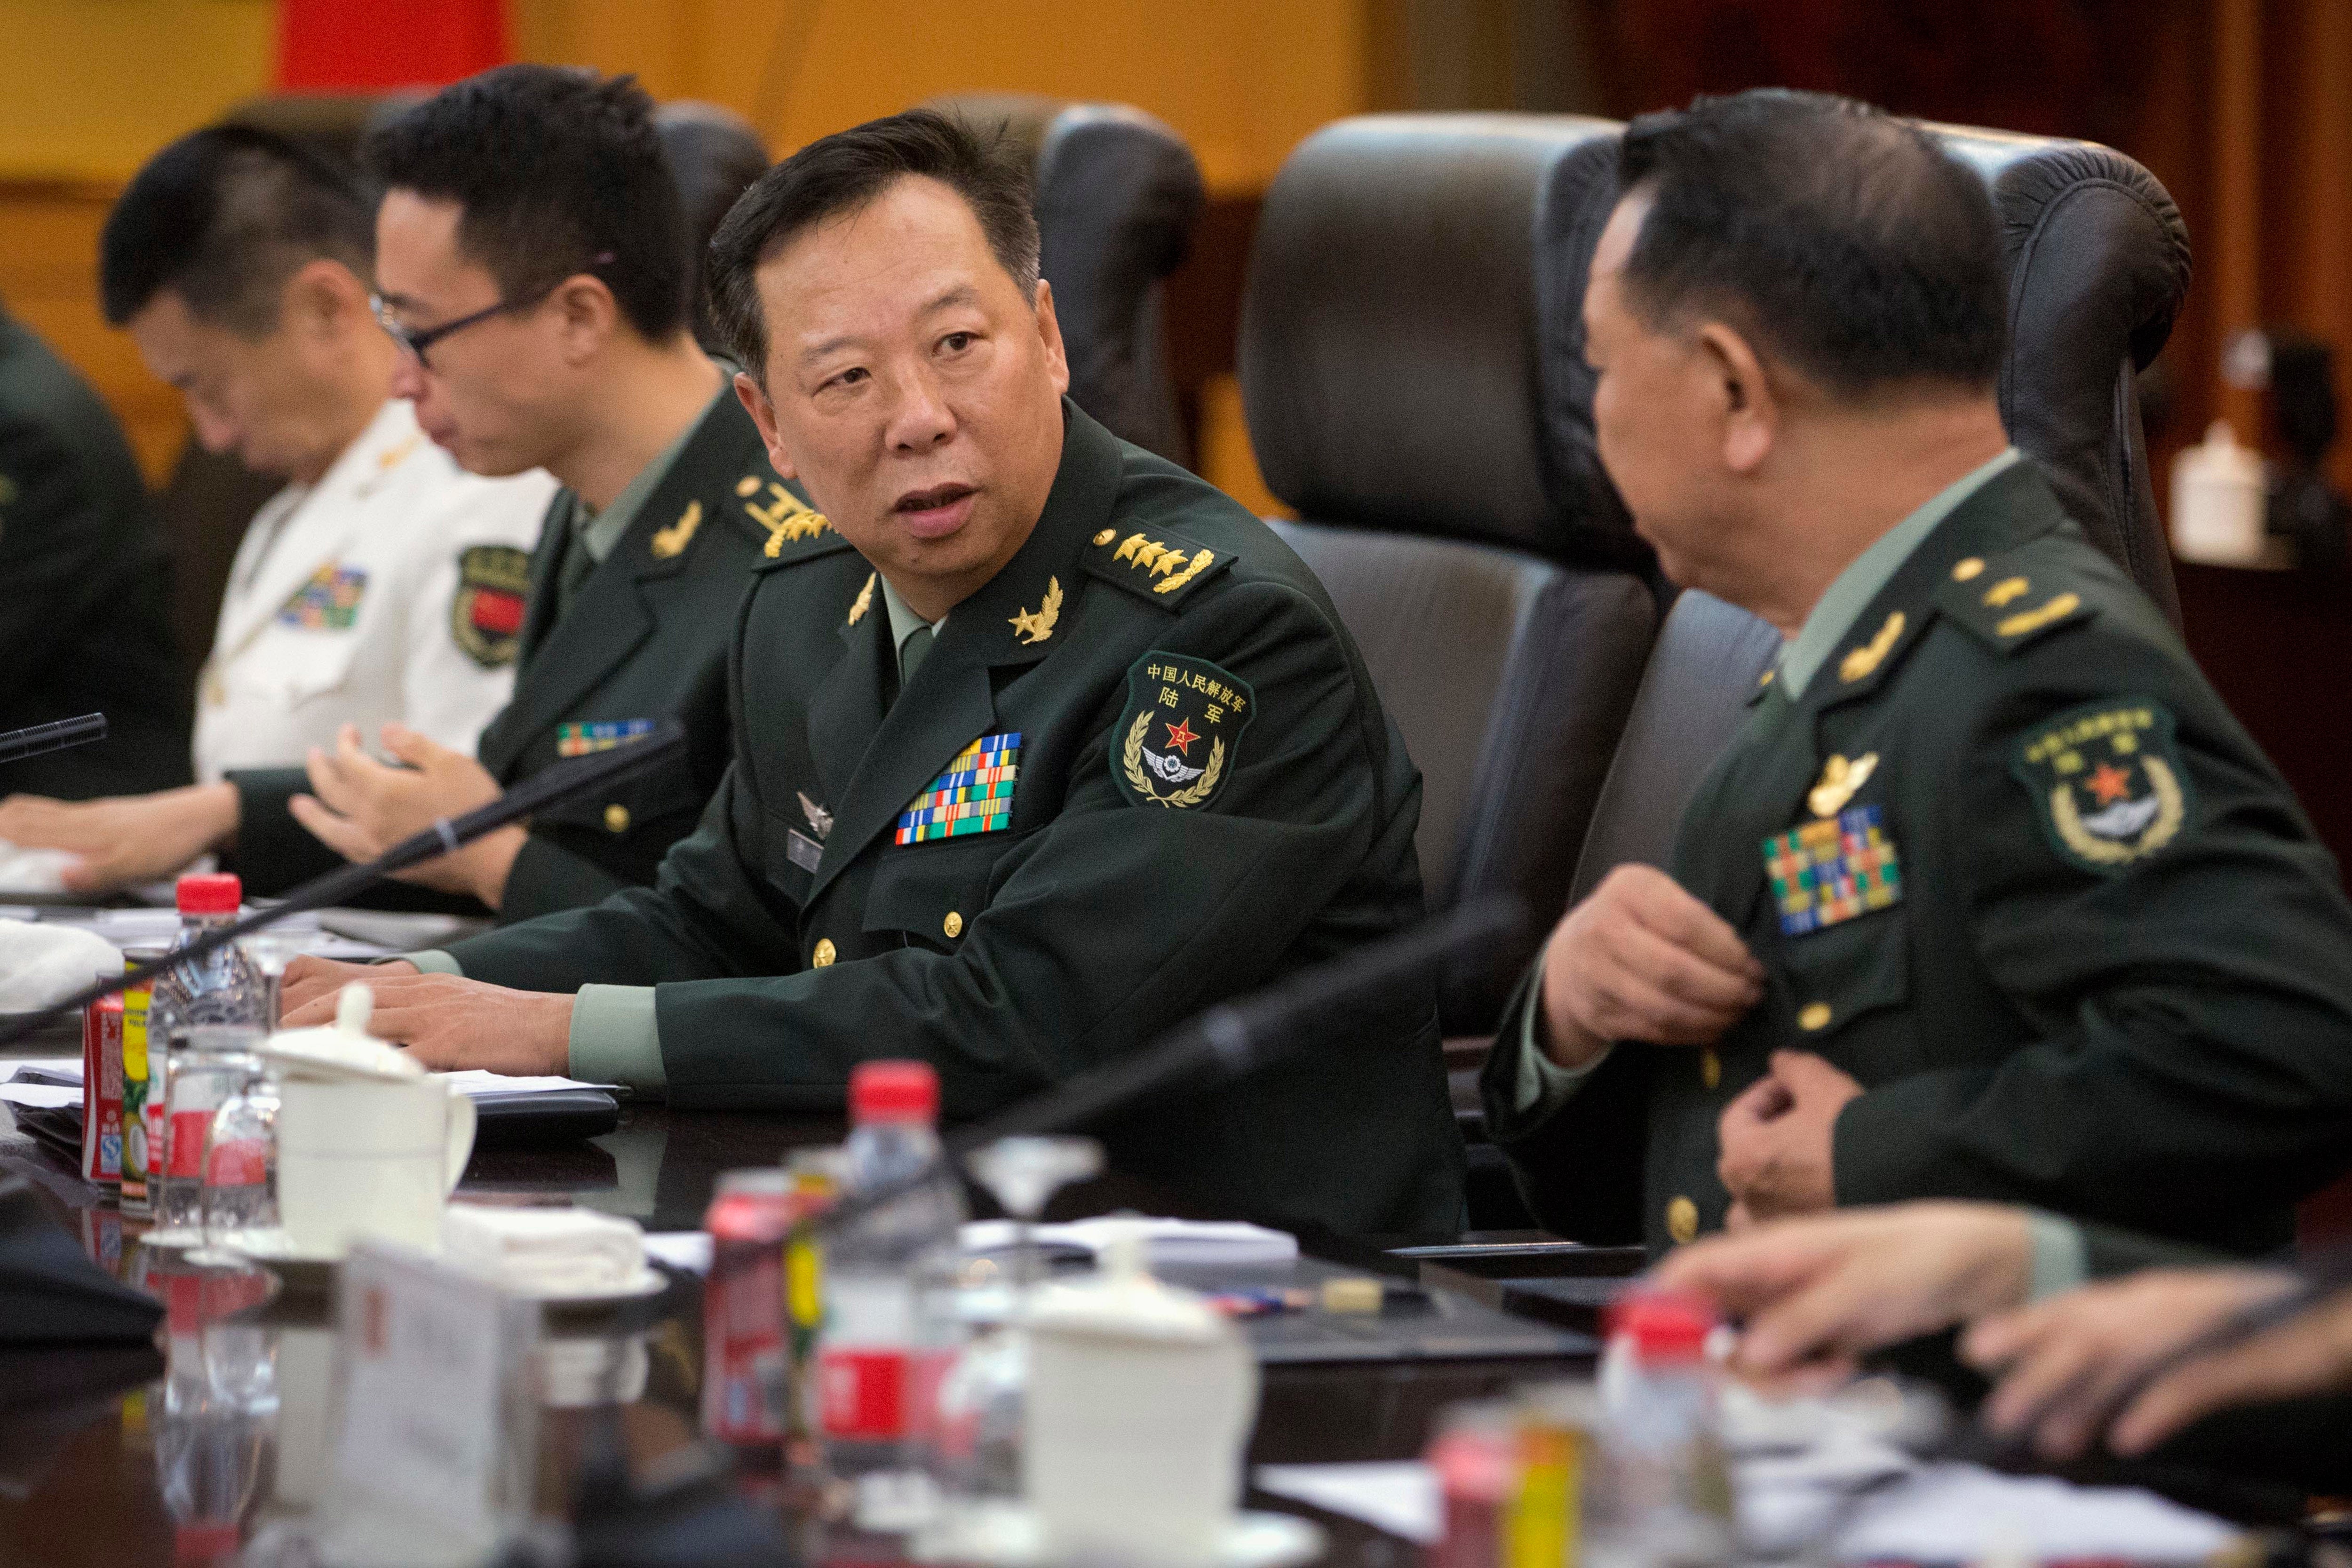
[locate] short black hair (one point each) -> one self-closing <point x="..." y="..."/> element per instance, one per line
<point x="713" y="154"/>
<point x="222" y="218"/>
<point x="556" y="171"/>
<point x="1843" y="238"/>
<point x="844" y="172"/>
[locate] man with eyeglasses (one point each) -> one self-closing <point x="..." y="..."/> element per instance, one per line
<point x="238" y="262"/>
<point x="540" y="298"/>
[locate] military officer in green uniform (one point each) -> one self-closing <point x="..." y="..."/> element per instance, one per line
<point x="1043" y="746"/>
<point x="82" y="602"/>
<point x="541" y="298"/>
<point x="1991" y="898"/>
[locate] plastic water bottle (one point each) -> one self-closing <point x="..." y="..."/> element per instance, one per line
<point x="883" y="1350"/>
<point x="224" y="988"/>
<point x="1662" y="1497"/>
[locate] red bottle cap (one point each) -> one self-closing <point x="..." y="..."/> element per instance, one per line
<point x="1663" y="1325"/>
<point x="210" y="893"/>
<point x="893" y="1091"/>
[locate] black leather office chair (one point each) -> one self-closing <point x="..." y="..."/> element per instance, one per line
<point x="1117" y="193"/>
<point x="1395" y="379"/>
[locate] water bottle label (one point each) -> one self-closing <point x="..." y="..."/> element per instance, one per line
<point x="239" y="1162"/>
<point x="862" y="1393"/>
<point x="186" y="1155"/>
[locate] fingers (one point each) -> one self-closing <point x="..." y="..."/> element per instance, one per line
<point x="1805" y="1078"/>
<point x="1764" y="1100"/>
<point x="2294" y="1358"/>
<point x="1663" y="905"/>
<point x="340" y="833"/>
<point x="418" y="750"/>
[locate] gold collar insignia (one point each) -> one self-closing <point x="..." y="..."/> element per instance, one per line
<point x="865" y="601"/>
<point x="1035" y="625"/>
<point x="1860" y="661"/>
<point x="672" y="540"/>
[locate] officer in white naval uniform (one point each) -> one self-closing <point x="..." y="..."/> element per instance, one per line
<point x="381" y="594"/>
<point x="384" y="586"/>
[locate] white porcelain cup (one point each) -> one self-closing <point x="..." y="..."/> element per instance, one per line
<point x="1132" y="1448"/>
<point x="369" y="1157"/>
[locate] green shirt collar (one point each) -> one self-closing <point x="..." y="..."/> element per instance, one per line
<point x="1832" y="618"/>
<point x="904" y="622"/>
<point x="601" y="531"/>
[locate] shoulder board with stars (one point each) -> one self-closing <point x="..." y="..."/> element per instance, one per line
<point x="1155" y="564"/>
<point x="790" y="529"/>
<point x="2013" y="600"/>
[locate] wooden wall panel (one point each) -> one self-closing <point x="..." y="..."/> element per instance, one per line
<point x="48" y="250"/>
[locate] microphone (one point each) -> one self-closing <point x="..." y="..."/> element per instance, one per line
<point x="17" y="744"/>
<point x="580" y="775"/>
<point x="1228" y="1041"/>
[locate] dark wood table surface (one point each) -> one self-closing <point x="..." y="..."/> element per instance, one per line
<point x="118" y="1477"/>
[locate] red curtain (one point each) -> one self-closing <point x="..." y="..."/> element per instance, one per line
<point x="339" y="45"/>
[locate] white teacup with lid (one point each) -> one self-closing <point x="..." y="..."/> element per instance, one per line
<point x="369" y="1144"/>
<point x="1140" y="1401"/>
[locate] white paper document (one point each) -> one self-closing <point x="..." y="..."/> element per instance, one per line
<point x="1170" y="1241"/>
<point x="40" y="1094"/>
<point x="481" y="1085"/>
<point x="1399" y="1496"/>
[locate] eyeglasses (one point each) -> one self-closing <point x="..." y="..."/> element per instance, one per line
<point x="417" y="341"/>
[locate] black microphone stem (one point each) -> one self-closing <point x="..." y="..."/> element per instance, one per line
<point x="1227" y="1041"/>
<point x="577" y="776"/>
<point x="39" y="738"/>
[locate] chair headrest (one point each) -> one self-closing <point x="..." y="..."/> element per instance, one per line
<point x="2098" y="265"/>
<point x="1396" y="367"/>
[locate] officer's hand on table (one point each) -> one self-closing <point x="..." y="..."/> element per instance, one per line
<point x="2309" y="1354"/>
<point x="444" y="1020"/>
<point x="363" y="807"/>
<point x="1640" y="959"/>
<point x="2067" y="1364"/>
<point x="1819" y="1293"/>
<point x="125" y="839"/>
<point x="1777" y="1137"/>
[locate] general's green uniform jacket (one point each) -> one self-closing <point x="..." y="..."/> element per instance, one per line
<point x="1141" y="771"/>
<point x="645" y="640"/>
<point x="2070" y="930"/>
<point x="82" y="587"/>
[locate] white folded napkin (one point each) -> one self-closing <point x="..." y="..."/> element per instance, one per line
<point x="41" y="964"/>
<point x="544" y="1251"/>
<point x="35" y="871"/>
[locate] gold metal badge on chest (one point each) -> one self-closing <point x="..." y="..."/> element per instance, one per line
<point x="1838" y="782"/>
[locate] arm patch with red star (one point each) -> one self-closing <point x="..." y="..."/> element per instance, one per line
<point x="1178" y="739"/>
<point x="2107" y="782"/>
<point x="485" y="617"/>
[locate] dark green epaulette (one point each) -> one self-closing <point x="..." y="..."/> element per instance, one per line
<point x="778" y="512"/>
<point x="1157" y="566"/>
<point x="2016" y="598"/>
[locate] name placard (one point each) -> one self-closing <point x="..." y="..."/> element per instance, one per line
<point x="435" y="1419"/>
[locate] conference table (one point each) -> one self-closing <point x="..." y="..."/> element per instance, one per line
<point x="93" y="1471"/>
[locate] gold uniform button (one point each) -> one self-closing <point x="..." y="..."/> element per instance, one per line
<point x="1968" y="569"/>
<point x="1106" y="536"/>
<point x="954" y="924"/>
<point x="749" y="485"/>
<point x="616" y="818"/>
<point x="1682" y="1219"/>
<point x="824" y="955"/>
<point x="1711" y="1067"/>
<point x="1813" y="1016"/>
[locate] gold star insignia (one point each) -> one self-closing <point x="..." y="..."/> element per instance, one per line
<point x="1035" y="625"/>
